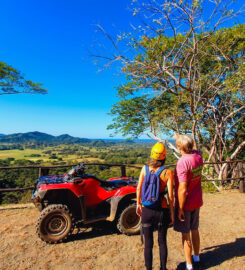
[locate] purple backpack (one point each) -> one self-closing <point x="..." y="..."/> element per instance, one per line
<point x="150" y="192"/>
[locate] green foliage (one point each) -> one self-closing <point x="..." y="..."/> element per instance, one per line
<point x="209" y="187"/>
<point x="53" y="156"/>
<point x="16" y="178"/>
<point x="13" y="82"/>
<point x="194" y="92"/>
<point x="184" y="74"/>
<point x="12" y="146"/>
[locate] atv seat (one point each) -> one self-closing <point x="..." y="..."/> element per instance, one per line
<point x="113" y="184"/>
<point x="110" y="185"/>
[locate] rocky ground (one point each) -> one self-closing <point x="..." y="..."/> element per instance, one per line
<point x="222" y="228"/>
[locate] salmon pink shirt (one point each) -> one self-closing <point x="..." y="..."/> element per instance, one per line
<point x="189" y="169"/>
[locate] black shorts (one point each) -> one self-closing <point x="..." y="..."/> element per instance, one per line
<point x="191" y="221"/>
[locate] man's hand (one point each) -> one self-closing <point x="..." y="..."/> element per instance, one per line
<point x="139" y="209"/>
<point x="181" y="215"/>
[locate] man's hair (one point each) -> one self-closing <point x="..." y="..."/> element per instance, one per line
<point x="185" y="143"/>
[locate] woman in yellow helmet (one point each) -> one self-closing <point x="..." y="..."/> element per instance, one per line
<point x="160" y="216"/>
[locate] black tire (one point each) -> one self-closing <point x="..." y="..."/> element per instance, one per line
<point x="55" y="223"/>
<point x="129" y="222"/>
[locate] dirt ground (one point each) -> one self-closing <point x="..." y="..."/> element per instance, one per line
<point x="222" y="228"/>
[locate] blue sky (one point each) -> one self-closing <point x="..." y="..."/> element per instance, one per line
<point x="47" y="40"/>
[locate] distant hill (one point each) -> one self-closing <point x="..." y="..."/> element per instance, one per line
<point x="98" y="143"/>
<point x="39" y="137"/>
<point x="65" y="138"/>
<point x="1" y="134"/>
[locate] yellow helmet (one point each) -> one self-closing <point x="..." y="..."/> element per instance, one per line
<point x="158" y="151"/>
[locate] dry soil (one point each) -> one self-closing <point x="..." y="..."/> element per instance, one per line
<point x="222" y="229"/>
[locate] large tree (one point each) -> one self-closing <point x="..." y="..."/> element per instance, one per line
<point x="184" y="74"/>
<point x="12" y="81"/>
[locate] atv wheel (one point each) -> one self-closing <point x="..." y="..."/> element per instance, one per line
<point x="129" y="221"/>
<point x="55" y="223"/>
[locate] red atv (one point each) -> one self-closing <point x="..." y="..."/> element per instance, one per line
<point x="82" y="200"/>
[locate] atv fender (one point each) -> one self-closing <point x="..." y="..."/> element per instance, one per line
<point x="118" y="201"/>
<point x="64" y="197"/>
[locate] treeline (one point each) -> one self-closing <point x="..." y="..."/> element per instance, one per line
<point x="42" y="145"/>
<point x="16" y="178"/>
<point x="11" y="147"/>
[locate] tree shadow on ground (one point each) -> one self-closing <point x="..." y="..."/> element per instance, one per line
<point x="215" y="255"/>
<point x="100" y="229"/>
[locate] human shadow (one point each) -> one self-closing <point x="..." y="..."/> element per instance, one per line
<point x="215" y="255"/>
<point x="100" y="229"/>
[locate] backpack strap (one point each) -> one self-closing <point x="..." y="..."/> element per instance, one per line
<point x="159" y="171"/>
<point x="147" y="170"/>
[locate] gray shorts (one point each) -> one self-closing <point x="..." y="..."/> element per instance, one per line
<point x="191" y="221"/>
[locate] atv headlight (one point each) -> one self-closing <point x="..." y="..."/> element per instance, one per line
<point x="38" y="195"/>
